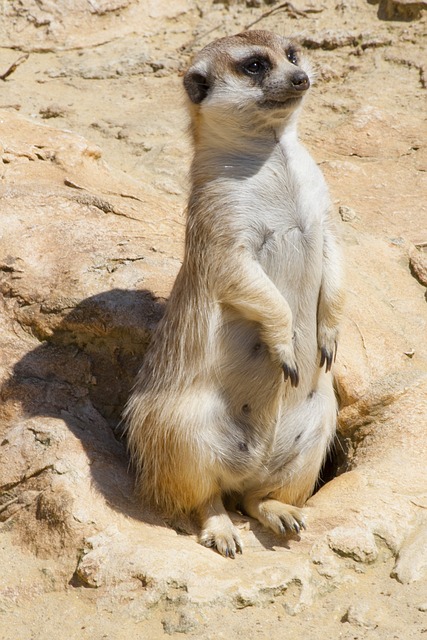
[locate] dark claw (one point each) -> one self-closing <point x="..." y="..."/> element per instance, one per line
<point x="335" y="350"/>
<point x="295" y="378"/>
<point x="292" y="374"/>
<point x="302" y="525"/>
<point x="322" y="357"/>
<point x="238" y="548"/>
<point x="296" y="528"/>
<point x="284" y="527"/>
<point x="326" y="357"/>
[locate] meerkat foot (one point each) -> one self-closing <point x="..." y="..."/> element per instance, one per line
<point x="293" y="522"/>
<point x="222" y="536"/>
<point x="282" y="518"/>
<point x="277" y="516"/>
<point x="218" y="532"/>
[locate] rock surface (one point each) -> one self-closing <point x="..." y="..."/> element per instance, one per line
<point x="93" y="187"/>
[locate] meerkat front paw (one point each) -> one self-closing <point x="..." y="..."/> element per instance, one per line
<point x="289" y="366"/>
<point x="327" y="342"/>
<point x="290" y="373"/>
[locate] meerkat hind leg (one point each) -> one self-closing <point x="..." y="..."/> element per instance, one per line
<point x="275" y="515"/>
<point x="218" y="532"/>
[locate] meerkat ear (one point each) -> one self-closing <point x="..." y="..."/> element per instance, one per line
<point x="196" y="84"/>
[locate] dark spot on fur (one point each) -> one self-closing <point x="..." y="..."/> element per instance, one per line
<point x="256" y="347"/>
<point x="310" y="395"/>
<point x="243" y="446"/>
<point x="246" y="409"/>
<point x="298" y="437"/>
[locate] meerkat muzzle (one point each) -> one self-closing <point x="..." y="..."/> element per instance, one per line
<point x="300" y="81"/>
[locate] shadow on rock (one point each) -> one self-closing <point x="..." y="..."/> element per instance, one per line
<point x="82" y="376"/>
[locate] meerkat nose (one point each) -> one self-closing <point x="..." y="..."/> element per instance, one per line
<point x="300" y="81"/>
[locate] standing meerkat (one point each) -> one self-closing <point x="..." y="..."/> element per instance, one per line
<point x="234" y="402"/>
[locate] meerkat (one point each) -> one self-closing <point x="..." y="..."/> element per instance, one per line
<point x="234" y="403"/>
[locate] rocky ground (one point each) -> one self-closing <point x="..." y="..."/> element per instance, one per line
<point x="93" y="188"/>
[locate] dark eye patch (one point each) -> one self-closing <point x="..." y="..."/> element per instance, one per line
<point x="255" y="66"/>
<point x="292" y="55"/>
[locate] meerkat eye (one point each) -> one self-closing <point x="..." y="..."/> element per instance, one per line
<point x="254" y="66"/>
<point x="292" y="55"/>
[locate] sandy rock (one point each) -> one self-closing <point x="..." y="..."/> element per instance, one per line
<point x="411" y="564"/>
<point x="360" y="615"/>
<point x="347" y="214"/>
<point x="104" y="6"/>
<point x="103" y="67"/>
<point x="179" y="623"/>
<point x="115" y="557"/>
<point x="401" y="9"/>
<point x="47" y="26"/>
<point x="164" y="9"/>
<point x="362" y="133"/>
<point x="378" y="367"/>
<point x="354" y="543"/>
<point x="418" y="264"/>
<point x="329" y="40"/>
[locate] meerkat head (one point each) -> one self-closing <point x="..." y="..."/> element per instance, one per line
<point x="255" y="76"/>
